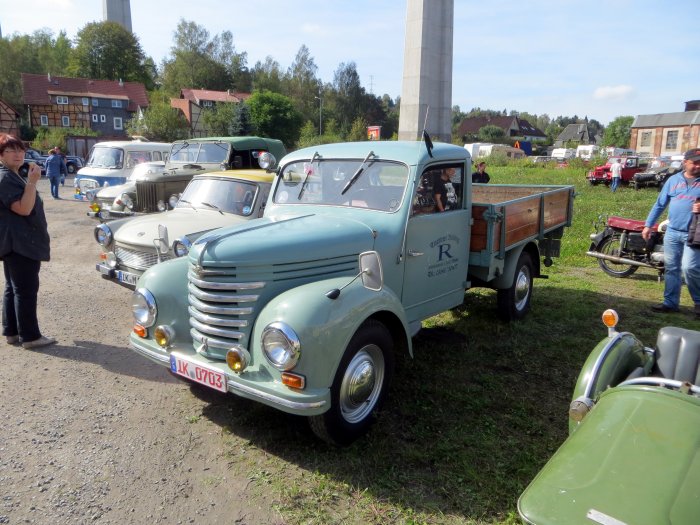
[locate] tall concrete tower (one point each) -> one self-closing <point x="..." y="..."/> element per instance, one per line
<point x="427" y="70"/>
<point x="118" y="11"/>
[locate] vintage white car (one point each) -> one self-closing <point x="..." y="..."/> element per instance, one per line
<point x="212" y="200"/>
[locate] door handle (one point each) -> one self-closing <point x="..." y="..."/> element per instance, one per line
<point x="412" y="253"/>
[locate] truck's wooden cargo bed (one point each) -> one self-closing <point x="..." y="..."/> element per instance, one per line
<point x="507" y="215"/>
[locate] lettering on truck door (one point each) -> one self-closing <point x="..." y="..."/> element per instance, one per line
<point x="437" y="243"/>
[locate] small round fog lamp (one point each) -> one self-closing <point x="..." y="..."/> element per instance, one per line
<point x="111" y="259"/>
<point x="162" y="206"/>
<point x="164" y="335"/>
<point x="237" y="359"/>
<point x="95" y="207"/>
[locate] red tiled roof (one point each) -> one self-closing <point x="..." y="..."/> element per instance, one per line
<point x="36" y="89"/>
<point x="183" y="105"/>
<point x="197" y="95"/>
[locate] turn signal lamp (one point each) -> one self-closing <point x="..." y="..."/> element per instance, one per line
<point x="237" y="359"/>
<point x="164" y="335"/>
<point x="293" y="380"/>
<point x="140" y="331"/>
<point x="95" y="207"/>
<point x="610" y="319"/>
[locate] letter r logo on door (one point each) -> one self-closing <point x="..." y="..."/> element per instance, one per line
<point x="444" y="251"/>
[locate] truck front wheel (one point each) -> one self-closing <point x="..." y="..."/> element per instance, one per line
<point x="514" y="302"/>
<point x="359" y="387"/>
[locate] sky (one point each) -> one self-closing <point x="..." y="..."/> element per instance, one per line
<point x="601" y="59"/>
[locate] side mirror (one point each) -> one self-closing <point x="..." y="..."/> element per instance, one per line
<point x="371" y="267"/>
<point x="162" y="245"/>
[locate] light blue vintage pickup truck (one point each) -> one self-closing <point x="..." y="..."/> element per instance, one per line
<point x="305" y="308"/>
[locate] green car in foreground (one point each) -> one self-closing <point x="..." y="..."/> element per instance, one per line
<point x="633" y="454"/>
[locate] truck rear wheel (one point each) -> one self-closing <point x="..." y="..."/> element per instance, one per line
<point x="359" y="387"/>
<point x="514" y="302"/>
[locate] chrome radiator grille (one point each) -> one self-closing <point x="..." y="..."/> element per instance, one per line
<point x="224" y="301"/>
<point x="138" y="259"/>
<point x="146" y="197"/>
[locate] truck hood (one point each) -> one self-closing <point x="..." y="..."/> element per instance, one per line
<point x="112" y="192"/>
<point x="181" y="222"/>
<point x="635" y="459"/>
<point x="284" y="240"/>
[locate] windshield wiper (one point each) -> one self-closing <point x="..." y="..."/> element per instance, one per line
<point x="357" y="174"/>
<point x="308" y="174"/>
<point x="187" y="202"/>
<point x="184" y="145"/>
<point x="213" y="206"/>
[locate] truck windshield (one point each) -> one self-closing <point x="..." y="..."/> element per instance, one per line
<point x="101" y="157"/>
<point x="199" y="152"/>
<point x="230" y="196"/>
<point x="381" y="186"/>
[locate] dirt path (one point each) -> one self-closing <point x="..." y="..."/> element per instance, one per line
<point x="91" y="432"/>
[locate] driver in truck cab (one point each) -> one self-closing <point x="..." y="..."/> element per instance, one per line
<point x="444" y="190"/>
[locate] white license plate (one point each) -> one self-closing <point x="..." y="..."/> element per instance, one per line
<point x="198" y="373"/>
<point x="127" y="278"/>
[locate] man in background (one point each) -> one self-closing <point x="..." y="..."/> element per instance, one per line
<point x="55" y="169"/>
<point x="616" y="172"/>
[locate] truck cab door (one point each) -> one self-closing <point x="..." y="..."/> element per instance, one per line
<point x="437" y="245"/>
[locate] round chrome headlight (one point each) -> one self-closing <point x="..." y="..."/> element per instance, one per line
<point x="103" y="235"/>
<point x="161" y="206"/>
<point x="267" y="160"/>
<point x="181" y="247"/>
<point x="143" y="307"/>
<point x="105" y="184"/>
<point x="172" y="201"/>
<point x="125" y="200"/>
<point x="281" y="346"/>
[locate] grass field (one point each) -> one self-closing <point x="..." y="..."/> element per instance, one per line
<point x="477" y="411"/>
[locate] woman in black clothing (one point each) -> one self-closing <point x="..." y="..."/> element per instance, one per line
<point x="24" y="244"/>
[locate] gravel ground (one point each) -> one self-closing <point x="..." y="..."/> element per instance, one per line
<point x="90" y="432"/>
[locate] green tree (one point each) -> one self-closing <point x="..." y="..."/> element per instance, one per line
<point x="268" y="75"/>
<point x="308" y="135"/>
<point x="303" y="86"/>
<point x="160" y="121"/>
<point x="491" y="133"/>
<point x="358" y="131"/>
<point x="617" y="133"/>
<point x="273" y="115"/>
<point x="219" y="120"/>
<point x="17" y="55"/>
<point x="107" y="51"/>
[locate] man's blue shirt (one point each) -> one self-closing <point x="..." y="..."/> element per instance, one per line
<point x="678" y="194"/>
<point x="55" y="166"/>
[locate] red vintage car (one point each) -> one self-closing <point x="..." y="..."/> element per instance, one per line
<point x="630" y="166"/>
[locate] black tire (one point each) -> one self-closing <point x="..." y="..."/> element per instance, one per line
<point x="360" y="386"/>
<point x="611" y="246"/>
<point x="71" y="168"/>
<point x="514" y="302"/>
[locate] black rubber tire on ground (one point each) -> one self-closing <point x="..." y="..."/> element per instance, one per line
<point x="514" y="302"/>
<point x="611" y="246"/>
<point x="360" y="386"/>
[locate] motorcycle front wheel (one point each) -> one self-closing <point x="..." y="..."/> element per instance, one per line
<point x="611" y="246"/>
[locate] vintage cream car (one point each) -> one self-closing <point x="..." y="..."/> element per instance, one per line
<point x="130" y="246"/>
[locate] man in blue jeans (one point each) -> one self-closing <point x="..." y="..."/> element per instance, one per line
<point x="681" y="194"/>
<point x="55" y="169"/>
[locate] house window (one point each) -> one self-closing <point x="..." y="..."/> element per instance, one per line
<point x="116" y="103"/>
<point x="207" y="103"/>
<point x="118" y="123"/>
<point x="103" y="118"/>
<point x="86" y="101"/>
<point x="672" y="140"/>
<point x="95" y="102"/>
<point x="65" y="121"/>
<point x="44" y="120"/>
<point x="94" y="117"/>
<point x="60" y="99"/>
<point x="645" y="140"/>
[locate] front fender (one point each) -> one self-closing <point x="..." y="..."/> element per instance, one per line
<point x="325" y="326"/>
<point x="167" y="282"/>
<point x="611" y="361"/>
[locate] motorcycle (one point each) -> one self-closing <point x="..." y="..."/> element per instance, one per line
<point x="620" y="249"/>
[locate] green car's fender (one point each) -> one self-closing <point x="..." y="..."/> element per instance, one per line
<point x="167" y="282"/>
<point x="325" y="326"/>
<point x="611" y="361"/>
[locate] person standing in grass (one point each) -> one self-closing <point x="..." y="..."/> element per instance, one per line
<point x="681" y="194"/>
<point x="616" y="172"/>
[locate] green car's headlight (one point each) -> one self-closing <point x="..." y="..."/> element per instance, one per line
<point x="143" y="307"/>
<point x="281" y="346"/>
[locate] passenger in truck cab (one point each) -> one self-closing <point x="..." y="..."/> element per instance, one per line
<point x="444" y="190"/>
